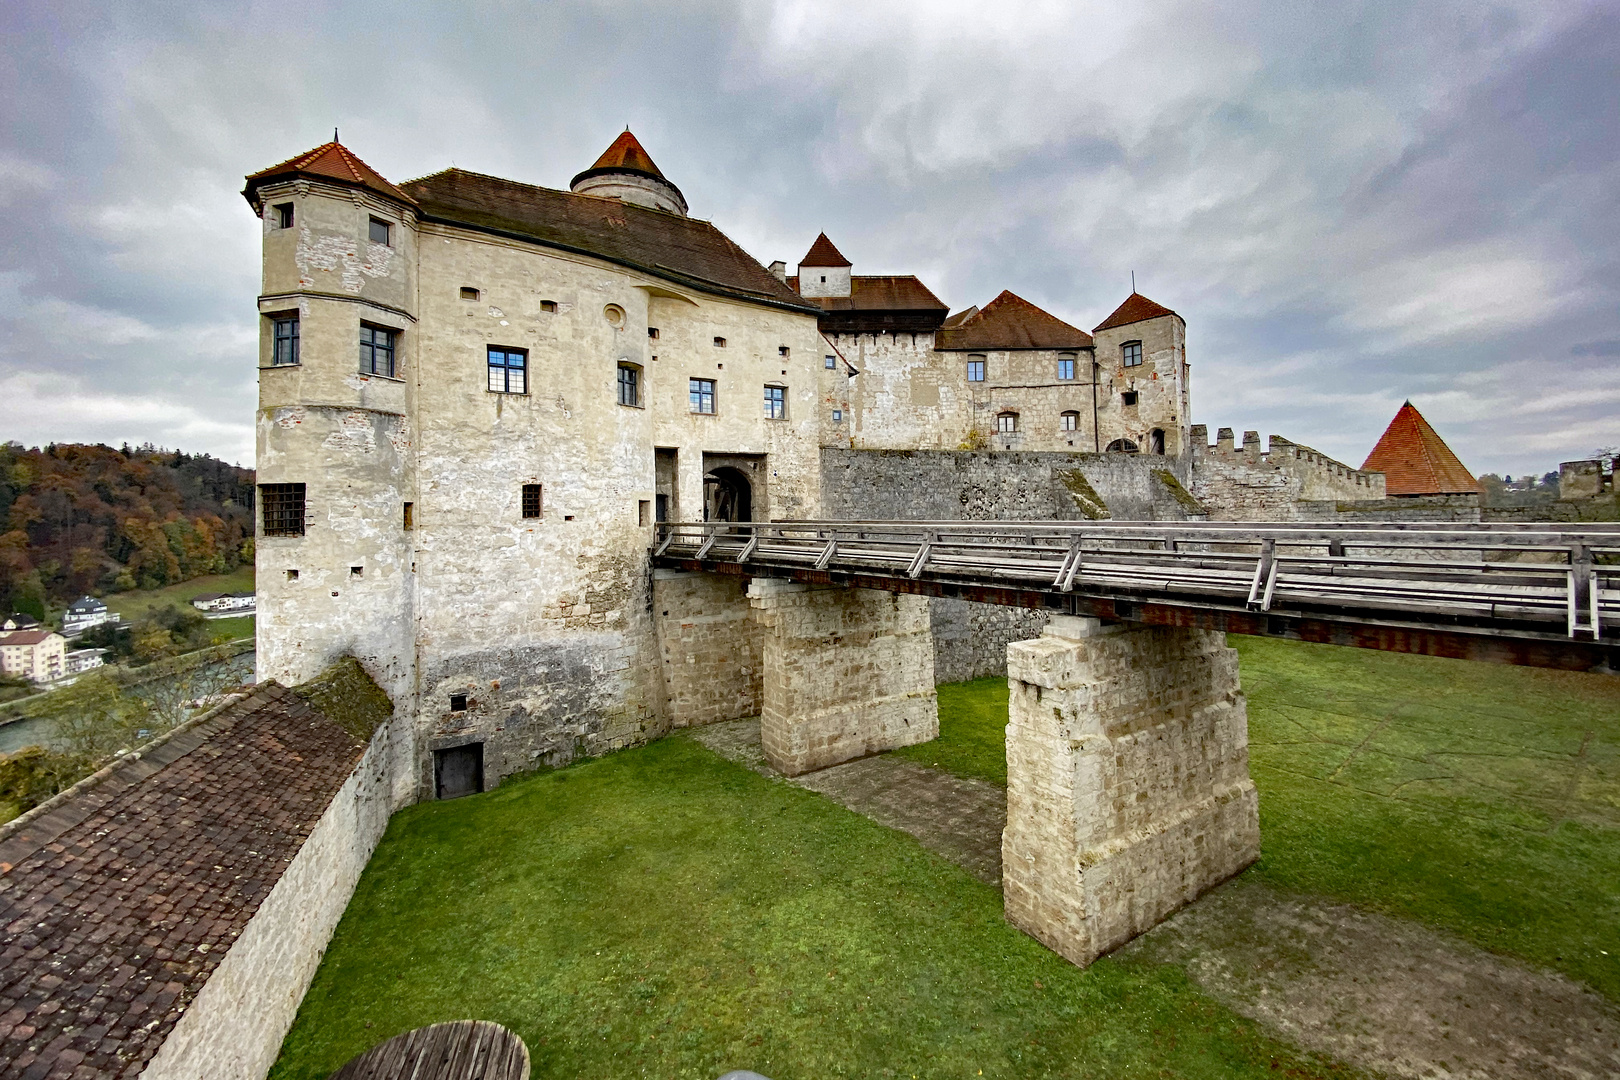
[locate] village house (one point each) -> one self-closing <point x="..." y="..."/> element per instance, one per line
<point x="223" y="603"/>
<point x="84" y="613"/>
<point x="38" y="654"/>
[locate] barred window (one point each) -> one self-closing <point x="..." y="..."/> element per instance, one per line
<point x="1065" y="367"/>
<point x="975" y="370"/>
<point x="776" y="402"/>
<point x="531" y="500"/>
<point x="1069" y="421"/>
<point x="1132" y="351"/>
<point x="282" y="506"/>
<point x="629" y="385"/>
<point x="1007" y="423"/>
<point x="376" y="350"/>
<point x="700" y="395"/>
<point x="285" y="350"/>
<point x="508" y="370"/>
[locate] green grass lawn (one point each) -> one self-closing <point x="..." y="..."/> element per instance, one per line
<point x="132" y="606"/>
<point x="664" y="912"/>
<point x="972" y="731"/>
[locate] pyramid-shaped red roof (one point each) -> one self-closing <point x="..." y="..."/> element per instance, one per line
<point x="1415" y="460"/>
<point x="626" y="154"/>
<point x="1011" y="322"/>
<point x="1135" y="309"/>
<point x="822" y="253"/>
<point x="329" y="161"/>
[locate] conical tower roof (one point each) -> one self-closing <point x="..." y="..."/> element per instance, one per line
<point x="1136" y="308"/>
<point x="328" y="161"/>
<point x="823" y="253"/>
<point x="626" y="171"/>
<point x="1415" y="460"/>
<point x="626" y="155"/>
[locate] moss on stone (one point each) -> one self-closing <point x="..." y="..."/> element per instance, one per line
<point x="1085" y="497"/>
<point x="1180" y="494"/>
<point x="346" y="695"/>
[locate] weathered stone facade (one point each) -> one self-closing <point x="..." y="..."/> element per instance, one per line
<point x="1128" y="790"/>
<point x="712" y="647"/>
<point x="1248" y="483"/>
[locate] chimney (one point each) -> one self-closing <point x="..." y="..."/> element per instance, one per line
<point x="779" y="271"/>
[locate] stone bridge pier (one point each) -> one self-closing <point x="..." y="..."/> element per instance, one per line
<point x="847" y="672"/>
<point x="1128" y="790"/>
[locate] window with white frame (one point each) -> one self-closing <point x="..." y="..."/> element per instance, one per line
<point x="1069" y="421"/>
<point x="776" y="403"/>
<point x="975" y="369"/>
<point x="1065" y="365"/>
<point x="508" y="370"/>
<point x="700" y="395"/>
<point x="1006" y="423"/>
<point x="377" y="350"/>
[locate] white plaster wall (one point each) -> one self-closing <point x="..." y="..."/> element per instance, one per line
<point x="233" y="1029"/>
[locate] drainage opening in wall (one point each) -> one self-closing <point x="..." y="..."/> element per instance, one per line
<point x="458" y="771"/>
<point x="458" y="702"/>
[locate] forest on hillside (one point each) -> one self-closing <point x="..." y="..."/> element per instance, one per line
<point x="81" y="519"/>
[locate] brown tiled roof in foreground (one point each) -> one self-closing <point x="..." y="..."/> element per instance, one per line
<point x="679" y="249"/>
<point x="1011" y="322"/>
<point x="1136" y="308"/>
<point x="329" y="161"/>
<point x="823" y="253"/>
<point x="1415" y="460"/>
<point x="118" y="903"/>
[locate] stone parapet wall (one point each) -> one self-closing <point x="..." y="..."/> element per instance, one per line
<point x="1248" y="483"/>
<point x="970" y="640"/>
<point x="847" y="673"/>
<point x="1128" y="790"/>
<point x="712" y="647"/>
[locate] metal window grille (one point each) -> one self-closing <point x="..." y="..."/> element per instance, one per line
<point x="1132" y="353"/>
<point x="700" y="395"/>
<point x="1007" y="423"/>
<point x="1065" y="367"/>
<point x="975" y="371"/>
<point x="508" y="371"/>
<point x="285" y="350"/>
<point x="776" y="402"/>
<point x="282" y="506"/>
<point x="381" y="231"/>
<point x="531" y="500"/>
<point x="629" y="385"/>
<point x="1070" y="421"/>
<point x="376" y="351"/>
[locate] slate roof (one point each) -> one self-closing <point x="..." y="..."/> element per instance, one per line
<point x="679" y="249"/>
<point x="329" y="161"/>
<point x="1135" y="309"/>
<point x="1011" y="322"/>
<point x="1415" y="460"/>
<point x="118" y="903"/>
<point x="823" y="253"/>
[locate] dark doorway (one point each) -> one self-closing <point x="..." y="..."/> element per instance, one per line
<point x="665" y="471"/>
<point x="459" y="770"/>
<point x="727" y="495"/>
<point x="1156" y="441"/>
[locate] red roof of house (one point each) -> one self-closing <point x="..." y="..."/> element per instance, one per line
<point x="1011" y="322"/>
<point x="24" y="637"/>
<point x="626" y="153"/>
<point x="1415" y="460"/>
<point x="822" y="253"/>
<point x="879" y="292"/>
<point x="329" y="161"/>
<point x="1135" y="309"/>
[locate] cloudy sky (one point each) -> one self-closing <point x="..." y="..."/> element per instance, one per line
<point x="1350" y="204"/>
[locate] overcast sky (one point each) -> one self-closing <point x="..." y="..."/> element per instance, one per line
<point x="1351" y="204"/>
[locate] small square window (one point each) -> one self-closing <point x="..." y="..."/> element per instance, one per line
<point x="282" y="509"/>
<point x="508" y="370"/>
<point x="549" y="306"/>
<point x="629" y="385"/>
<point x="1131" y="352"/>
<point x="776" y="402"/>
<point x="975" y="370"/>
<point x="284" y="215"/>
<point x="292" y="575"/>
<point x="381" y="232"/>
<point x="783" y="350"/>
<point x="469" y="293"/>
<point x="357" y="571"/>
<point x="284" y="351"/>
<point x="531" y="500"/>
<point x="1128" y="397"/>
<point x="719" y="342"/>
<point x="377" y="350"/>
<point x="700" y="395"/>
<point x="652" y="333"/>
<point x="838" y="416"/>
<point x="458" y="702"/>
<point x="829" y="362"/>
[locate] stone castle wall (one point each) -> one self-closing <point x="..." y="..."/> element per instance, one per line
<point x="712" y="647"/>
<point x="1247" y="483"/>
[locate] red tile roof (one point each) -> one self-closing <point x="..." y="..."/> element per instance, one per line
<point x="891" y="292"/>
<point x="1135" y="309"/>
<point x="24" y="637"/>
<point x="1011" y="322"/>
<point x="626" y="155"/>
<point x="822" y="253"/>
<point x="329" y="161"/>
<point x="670" y="246"/>
<point x="1415" y="460"/>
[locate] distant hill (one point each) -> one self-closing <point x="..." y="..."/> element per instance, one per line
<point x="77" y="519"/>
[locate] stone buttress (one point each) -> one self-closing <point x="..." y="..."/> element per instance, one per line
<point x="1128" y="790"/>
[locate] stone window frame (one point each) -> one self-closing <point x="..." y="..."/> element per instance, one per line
<point x="1130" y="353"/>
<point x="976" y="368"/>
<point x="506" y="368"/>
<point x="1069" y="420"/>
<point x="776" y="404"/>
<point x="1065" y="367"/>
<point x="701" y="392"/>
<point x="279" y="320"/>
<point x="630" y="387"/>
<point x="1006" y="422"/>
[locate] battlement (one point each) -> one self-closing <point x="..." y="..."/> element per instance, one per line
<point x="1299" y="457"/>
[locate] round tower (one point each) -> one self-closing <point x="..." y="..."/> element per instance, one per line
<point x="626" y="172"/>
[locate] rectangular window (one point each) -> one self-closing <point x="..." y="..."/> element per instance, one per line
<point x="1128" y="397"/>
<point x="508" y="370"/>
<point x="1132" y="353"/>
<point x="776" y="402"/>
<point x="829" y="363"/>
<point x="783" y="350"/>
<point x="283" y="508"/>
<point x="285" y="350"/>
<point x="719" y="342"/>
<point x="1065" y="367"/>
<point x="469" y="293"/>
<point x="652" y="333"/>
<point x="976" y="370"/>
<point x="531" y="500"/>
<point x="661" y="505"/>
<point x="629" y="385"/>
<point x="1070" y="421"/>
<point x="700" y="395"/>
<point x="1007" y="423"/>
<point x="838" y="416"/>
<point x="410" y="516"/>
<point x="284" y="215"/>
<point x="381" y="231"/>
<point x="549" y="307"/>
<point x="376" y="350"/>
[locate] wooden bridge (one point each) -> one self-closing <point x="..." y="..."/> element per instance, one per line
<point x="1545" y="595"/>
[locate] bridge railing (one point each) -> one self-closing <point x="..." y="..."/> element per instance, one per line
<point x="1537" y="578"/>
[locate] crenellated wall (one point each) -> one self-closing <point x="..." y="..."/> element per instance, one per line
<point x="1248" y="483"/>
